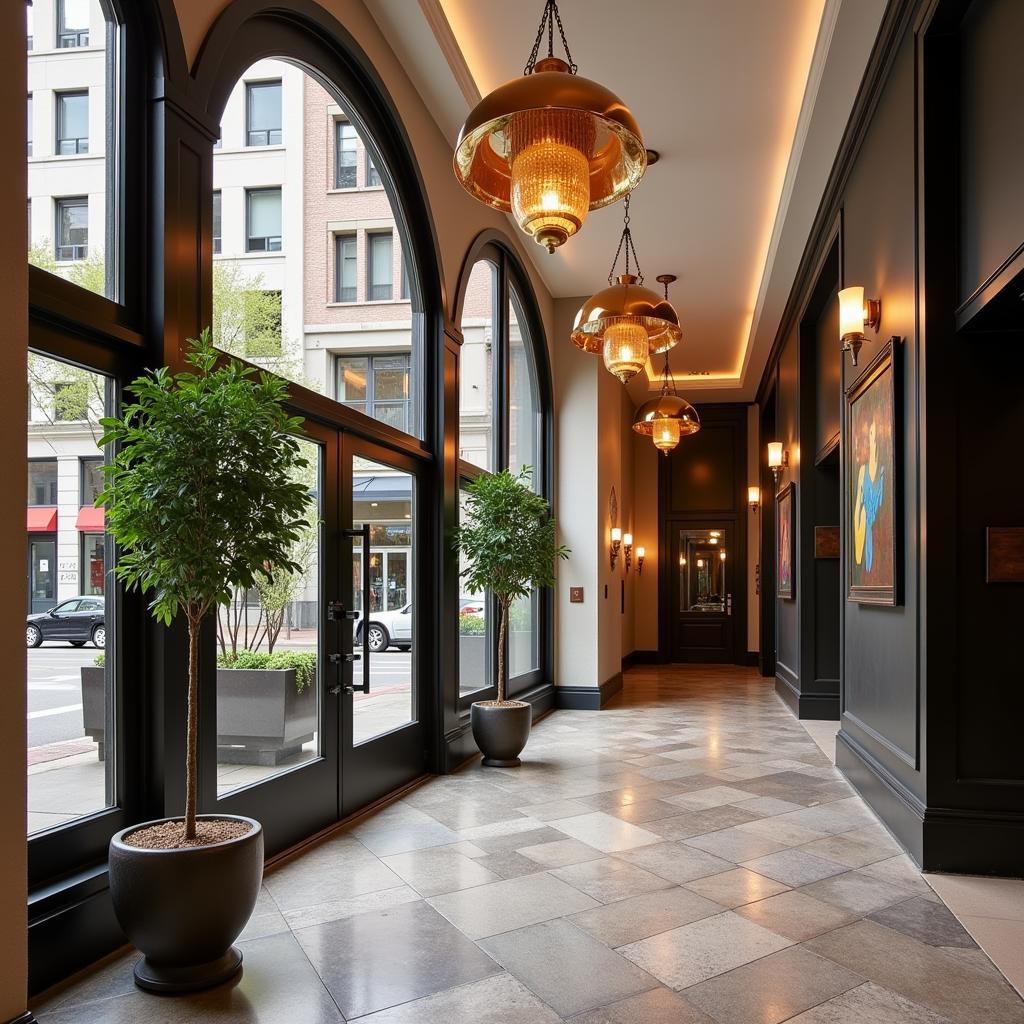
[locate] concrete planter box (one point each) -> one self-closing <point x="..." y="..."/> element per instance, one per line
<point x="473" y="659"/>
<point x="261" y="719"/>
<point x="94" y="703"/>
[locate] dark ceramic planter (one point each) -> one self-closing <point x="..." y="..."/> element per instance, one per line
<point x="501" y="731"/>
<point x="183" y="909"/>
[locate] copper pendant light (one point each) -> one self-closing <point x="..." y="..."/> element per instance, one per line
<point x="550" y="146"/>
<point x="668" y="417"/>
<point x="627" y="322"/>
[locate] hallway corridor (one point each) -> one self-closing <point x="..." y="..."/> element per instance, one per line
<point x="686" y="855"/>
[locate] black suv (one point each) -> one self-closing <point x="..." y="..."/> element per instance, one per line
<point x="76" y="620"/>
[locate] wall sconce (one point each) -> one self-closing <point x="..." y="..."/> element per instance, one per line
<point x="754" y="498"/>
<point x="640" y="560"/>
<point x="778" y="459"/>
<point x="616" y="544"/>
<point x="627" y="544"/>
<point x="856" y="313"/>
<point x="682" y="560"/>
<point x="721" y="554"/>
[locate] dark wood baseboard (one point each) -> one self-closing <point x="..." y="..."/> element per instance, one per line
<point x="815" y="707"/>
<point x="789" y="693"/>
<point x="901" y="811"/>
<point x="753" y="659"/>
<point x="639" y="657"/>
<point x="587" y="698"/>
<point x="973" y="842"/>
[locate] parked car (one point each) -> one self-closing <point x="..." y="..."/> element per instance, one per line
<point x="387" y="629"/>
<point x="76" y="621"/>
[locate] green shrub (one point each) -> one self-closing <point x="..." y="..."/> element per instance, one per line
<point x="304" y="664"/>
<point x="99" y="661"/>
<point x="472" y="625"/>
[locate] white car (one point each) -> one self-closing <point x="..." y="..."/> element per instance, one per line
<point x="387" y="629"/>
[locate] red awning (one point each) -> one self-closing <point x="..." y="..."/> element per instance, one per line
<point x="90" y="520"/>
<point x="41" y="519"/>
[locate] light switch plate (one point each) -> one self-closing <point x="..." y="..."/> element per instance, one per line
<point x="576" y="595"/>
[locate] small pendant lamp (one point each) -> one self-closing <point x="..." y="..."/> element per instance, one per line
<point x="550" y="146"/>
<point x="668" y="417"/>
<point x="627" y="322"/>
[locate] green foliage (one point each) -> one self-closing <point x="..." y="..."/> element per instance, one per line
<point x="472" y="625"/>
<point x="90" y="273"/>
<point x="202" y="494"/>
<point x="509" y="543"/>
<point x="509" y="540"/>
<point x="303" y="662"/>
<point x="100" y="660"/>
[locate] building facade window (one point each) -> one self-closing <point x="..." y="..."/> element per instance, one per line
<point x="93" y="564"/>
<point x="345" y="276"/>
<point x="42" y="482"/>
<point x="263" y="219"/>
<point x="72" y="228"/>
<point x="29" y="124"/>
<point x="345" y="147"/>
<point x="379" y="266"/>
<point x="217" y="226"/>
<point x="72" y="122"/>
<point x="263" y="114"/>
<point x="378" y="386"/>
<point x="72" y="24"/>
<point x="372" y="174"/>
<point x="90" y="480"/>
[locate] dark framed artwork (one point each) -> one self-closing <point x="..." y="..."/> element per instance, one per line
<point x="874" y="511"/>
<point x="785" y="542"/>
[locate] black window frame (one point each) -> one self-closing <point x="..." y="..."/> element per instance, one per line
<point x="68" y="38"/>
<point x="80" y="144"/>
<point x="372" y="289"/>
<point x="271" y="243"/>
<point x="343" y="292"/>
<point x="510" y="278"/>
<point x="342" y="128"/>
<point x="264" y="136"/>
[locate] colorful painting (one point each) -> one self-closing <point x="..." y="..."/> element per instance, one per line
<point x="785" y="549"/>
<point x="872" y="489"/>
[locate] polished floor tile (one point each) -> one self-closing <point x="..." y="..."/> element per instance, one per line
<point x="772" y="989"/>
<point x="500" y="999"/>
<point x="695" y="952"/>
<point x="567" y="968"/>
<point x="642" y="850"/>
<point x="513" y="903"/>
<point x="382" y="958"/>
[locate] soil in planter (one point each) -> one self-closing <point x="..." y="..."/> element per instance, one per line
<point x="502" y="703"/>
<point x="170" y="835"/>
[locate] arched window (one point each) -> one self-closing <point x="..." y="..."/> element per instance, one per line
<point x="504" y="422"/>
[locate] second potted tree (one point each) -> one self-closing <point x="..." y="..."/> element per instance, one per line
<point x="510" y="544"/>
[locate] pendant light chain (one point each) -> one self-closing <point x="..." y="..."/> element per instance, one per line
<point x="548" y="18"/>
<point x="626" y="241"/>
<point x="668" y="383"/>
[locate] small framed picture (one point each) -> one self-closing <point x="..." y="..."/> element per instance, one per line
<point x="785" y="546"/>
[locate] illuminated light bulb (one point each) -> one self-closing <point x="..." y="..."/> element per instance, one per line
<point x="682" y="560"/>
<point x="700" y="563"/>
<point x="775" y="454"/>
<point x="721" y="555"/>
<point x="665" y="433"/>
<point x="851" y="313"/>
<point x="550" y="171"/>
<point x="626" y="350"/>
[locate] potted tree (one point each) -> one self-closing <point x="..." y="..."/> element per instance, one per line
<point x="510" y="545"/>
<point x="201" y="496"/>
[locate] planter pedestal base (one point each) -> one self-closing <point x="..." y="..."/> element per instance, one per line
<point x="194" y="978"/>
<point x="493" y="762"/>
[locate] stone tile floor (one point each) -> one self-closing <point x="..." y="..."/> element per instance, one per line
<point x="687" y="855"/>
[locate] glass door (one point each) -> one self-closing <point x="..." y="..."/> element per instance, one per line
<point x="382" y="735"/>
<point x="703" y="620"/>
<point x="42" y="574"/>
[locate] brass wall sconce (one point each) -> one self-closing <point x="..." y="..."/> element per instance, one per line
<point x="721" y="554"/>
<point x="778" y="459"/>
<point x="627" y="547"/>
<point x="640" y="560"/>
<point x="616" y="544"/>
<point x="856" y="313"/>
<point x="754" y="498"/>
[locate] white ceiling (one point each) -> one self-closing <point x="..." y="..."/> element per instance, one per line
<point x="746" y="100"/>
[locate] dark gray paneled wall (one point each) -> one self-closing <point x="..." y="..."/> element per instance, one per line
<point x="787" y="615"/>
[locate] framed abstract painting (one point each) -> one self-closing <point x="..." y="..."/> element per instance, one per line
<point x="874" y="512"/>
<point x="785" y="546"/>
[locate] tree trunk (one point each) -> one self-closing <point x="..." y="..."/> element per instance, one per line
<point x="191" y="766"/>
<point x="502" y="628"/>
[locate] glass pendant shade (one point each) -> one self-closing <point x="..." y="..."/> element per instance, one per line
<point x="625" y="350"/>
<point x="665" y="432"/>
<point x="550" y="174"/>
<point x="549" y="147"/>
<point x="627" y="303"/>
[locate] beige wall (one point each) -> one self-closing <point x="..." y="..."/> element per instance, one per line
<point x="14" y="301"/>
